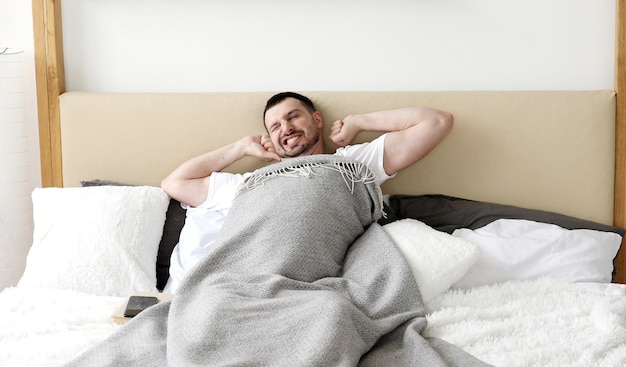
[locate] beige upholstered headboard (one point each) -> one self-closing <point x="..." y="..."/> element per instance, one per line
<point x="542" y="150"/>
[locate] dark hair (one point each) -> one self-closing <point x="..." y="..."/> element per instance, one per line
<point x="277" y="98"/>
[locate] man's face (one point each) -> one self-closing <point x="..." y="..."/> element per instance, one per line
<point x="294" y="131"/>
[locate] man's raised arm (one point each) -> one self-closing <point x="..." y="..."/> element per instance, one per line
<point x="413" y="133"/>
<point x="189" y="182"/>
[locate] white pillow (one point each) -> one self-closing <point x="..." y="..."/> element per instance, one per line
<point x="436" y="259"/>
<point x="101" y="240"/>
<point x="516" y="249"/>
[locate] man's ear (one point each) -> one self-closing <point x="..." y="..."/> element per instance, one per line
<point x="317" y="116"/>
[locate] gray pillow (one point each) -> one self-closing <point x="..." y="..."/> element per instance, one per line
<point x="447" y="213"/>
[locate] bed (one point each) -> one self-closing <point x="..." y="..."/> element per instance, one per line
<point x="511" y="228"/>
<point x="74" y="285"/>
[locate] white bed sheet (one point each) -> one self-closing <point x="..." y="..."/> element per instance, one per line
<point x="522" y="323"/>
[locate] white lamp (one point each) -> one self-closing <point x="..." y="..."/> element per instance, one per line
<point x="16" y="209"/>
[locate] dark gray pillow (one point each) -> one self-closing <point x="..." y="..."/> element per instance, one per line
<point x="447" y="213"/>
<point x="99" y="182"/>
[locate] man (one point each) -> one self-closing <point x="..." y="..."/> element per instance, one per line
<point x="294" y="128"/>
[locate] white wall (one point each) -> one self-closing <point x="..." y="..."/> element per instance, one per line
<point x="19" y="139"/>
<point x="251" y="45"/>
<point x="248" y="45"/>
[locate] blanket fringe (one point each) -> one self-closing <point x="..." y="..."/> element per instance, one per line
<point x="351" y="172"/>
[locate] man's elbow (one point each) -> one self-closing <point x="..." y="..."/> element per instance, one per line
<point x="447" y="118"/>
<point x="168" y="185"/>
<point x="445" y="121"/>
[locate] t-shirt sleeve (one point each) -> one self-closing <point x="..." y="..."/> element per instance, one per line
<point x="222" y="190"/>
<point x="371" y="154"/>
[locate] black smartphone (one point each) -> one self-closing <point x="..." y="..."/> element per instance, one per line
<point x="136" y="304"/>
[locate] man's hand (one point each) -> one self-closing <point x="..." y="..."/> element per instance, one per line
<point x="261" y="146"/>
<point x="343" y="131"/>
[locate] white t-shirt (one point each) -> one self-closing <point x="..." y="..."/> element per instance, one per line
<point x="204" y="222"/>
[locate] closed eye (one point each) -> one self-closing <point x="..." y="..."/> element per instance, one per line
<point x="274" y="127"/>
<point x="293" y="115"/>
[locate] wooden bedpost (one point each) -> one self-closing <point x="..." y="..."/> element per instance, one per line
<point x="50" y="77"/>
<point x="619" y="213"/>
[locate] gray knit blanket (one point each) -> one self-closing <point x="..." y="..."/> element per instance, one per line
<point x="301" y="275"/>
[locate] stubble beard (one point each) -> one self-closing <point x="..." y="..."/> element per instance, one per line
<point x="311" y="136"/>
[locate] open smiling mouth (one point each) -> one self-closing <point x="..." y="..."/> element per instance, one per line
<point x="291" y="140"/>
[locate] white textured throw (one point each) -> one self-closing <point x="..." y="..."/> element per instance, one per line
<point x="437" y="259"/>
<point x="535" y="323"/>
